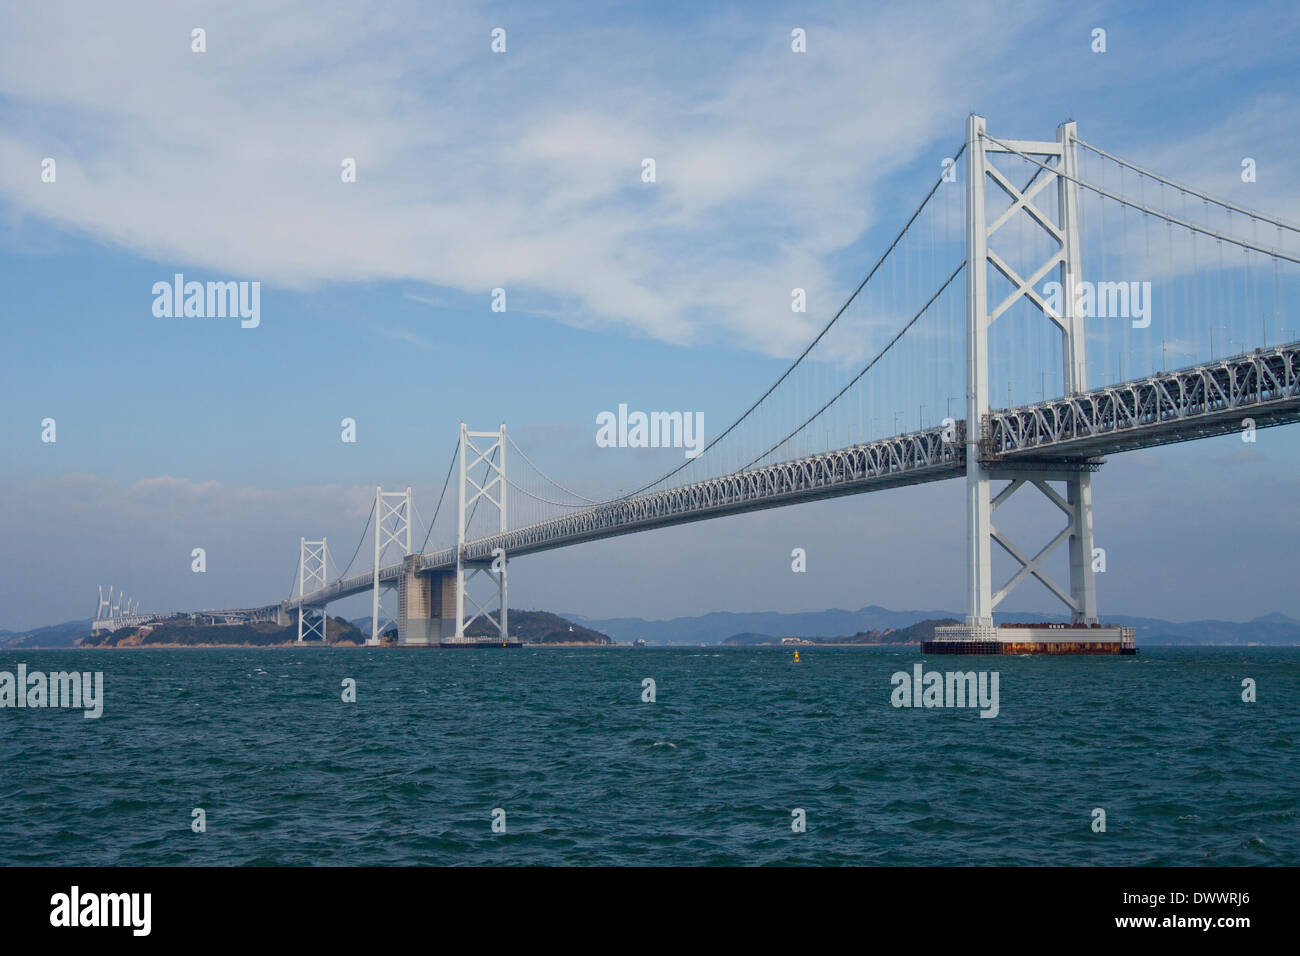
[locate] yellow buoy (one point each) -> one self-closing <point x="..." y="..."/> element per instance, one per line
<point x="796" y="657"/>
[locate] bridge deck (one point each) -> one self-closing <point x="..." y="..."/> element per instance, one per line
<point x="1181" y="405"/>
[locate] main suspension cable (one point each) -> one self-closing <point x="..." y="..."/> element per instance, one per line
<point x="1187" y="189"/>
<point x="359" y="543"/>
<point x="567" y="491"/>
<point x="1151" y="212"/>
<point x="912" y="321"/>
<point x="446" y="481"/>
<point x="811" y="345"/>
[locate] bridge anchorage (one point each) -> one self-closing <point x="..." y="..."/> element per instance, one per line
<point x="1025" y="220"/>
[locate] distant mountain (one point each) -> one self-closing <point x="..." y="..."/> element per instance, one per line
<point x="53" y="635"/>
<point x="712" y="628"/>
<point x="719" y="626"/>
<point x="543" y="627"/>
<point x="1274" y="629"/>
<point x="918" y="632"/>
<point x="362" y="624"/>
<point x="1274" y="618"/>
<point x="749" y="639"/>
<point x="912" y="634"/>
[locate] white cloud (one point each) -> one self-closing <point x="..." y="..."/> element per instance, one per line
<point x="475" y="170"/>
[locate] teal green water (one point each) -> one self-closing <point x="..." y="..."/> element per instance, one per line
<point x="709" y="773"/>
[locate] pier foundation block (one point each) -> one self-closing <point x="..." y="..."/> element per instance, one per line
<point x="426" y="605"/>
<point x="964" y="639"/>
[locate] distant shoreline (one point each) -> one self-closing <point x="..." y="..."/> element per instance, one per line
<point x="277" y="647"/>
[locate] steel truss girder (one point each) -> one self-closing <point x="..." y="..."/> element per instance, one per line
<point x="1197" y="402"/>
<point x="903" y="460"/>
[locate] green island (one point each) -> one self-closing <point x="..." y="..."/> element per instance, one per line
<point x="912" y="634"/>
<point x="538" y="628"/>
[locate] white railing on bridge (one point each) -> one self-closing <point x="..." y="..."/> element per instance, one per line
<point x="1195" y="402"/>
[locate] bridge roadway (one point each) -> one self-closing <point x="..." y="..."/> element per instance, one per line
<point x="1076" y="431"/>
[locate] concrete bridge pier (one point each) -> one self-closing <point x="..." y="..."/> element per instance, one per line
<point x="426" y="605"/>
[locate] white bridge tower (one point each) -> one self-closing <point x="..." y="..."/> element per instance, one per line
<point x="312" y="558"/>
<point x="392" y="528"/>
<point x="493" y="491"/>
<point x="1061" y="224"/>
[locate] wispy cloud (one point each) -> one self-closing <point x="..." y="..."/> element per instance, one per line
<point x="476" y="170"/>
<point x="410" y="338"/>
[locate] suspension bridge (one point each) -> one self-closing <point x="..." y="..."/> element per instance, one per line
<point x="1047" y="302"/>
<point x="113" y="613"/>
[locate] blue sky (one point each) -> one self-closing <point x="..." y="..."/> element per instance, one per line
<point x="522" y="170"/>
